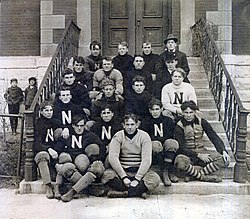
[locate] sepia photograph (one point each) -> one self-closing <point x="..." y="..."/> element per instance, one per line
<point x="130" y="109"/>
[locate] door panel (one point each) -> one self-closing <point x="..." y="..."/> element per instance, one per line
<point x="134" y="21"/>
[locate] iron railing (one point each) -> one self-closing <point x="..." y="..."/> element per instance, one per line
<point x="67" y="48"/>
<point x="231" y="111"/>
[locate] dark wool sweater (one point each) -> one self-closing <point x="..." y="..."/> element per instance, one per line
<point x="106" y="130"/>
<point x="44" y="133"/>
<point x="116" y="103"/>
<point x="138" y="103"/>
<point x="14" y="95"/>
<point x="150" y="61"/>
<point x="66" y="111"/>
<point x="123" y="63"/>
<point x="159" y="129"/>
<point x="76" y="144"/>
<point x="85" y="79"/>
<point x="212" y="135"/>
<point x="80" y="95"/>
<point x="92" y="63"/>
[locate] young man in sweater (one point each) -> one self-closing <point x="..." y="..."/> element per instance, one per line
<point x="161" y="130"/>
<point x="47" y="131"/>
<point x="189" y="134"/>
<point x="130" y="156"/>
<point x="81" y="158"/>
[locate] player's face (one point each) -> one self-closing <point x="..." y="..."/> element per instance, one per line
<point x="32" y="82"/>
<point x="107" y="65"/>
<point x="78" y="67"/>
<point x="69" y="79"/>
<point x="107" y="115"/>
<point x="146" y="48"/>
<point x="108" y="90"/>
<point x="122" y="50"/>
<point x="171" y="44"/>
<point x="79" y="127"/>
<point x="47" y="112"/>
<point x="13" y="84"/>
<point x="130" y="126"/>
<point x="139" y="62"/>
<point x="188" y="114"/>
<point x="177" y="78"/>
<point x="65" y="96"/>
<point x="171" y="64"/>
<point x="155" y="111"/>
<point x="95" y="50"/>
<point x="138" y="87"/>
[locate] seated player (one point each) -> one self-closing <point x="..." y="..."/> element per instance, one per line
<point x="82" y="156"/>
<point x="161" y="130"/>
<point x="137" y="100"/>
<point x="47" y="131"/>
<point x="108" y="96"/>
<point x="130" y="156"/>
<point x="107" y="72"/>
<point x="175" y="93"/>
<point x="189" y="134"/>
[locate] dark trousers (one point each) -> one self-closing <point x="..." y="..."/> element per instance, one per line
<point x="14" y="109"/>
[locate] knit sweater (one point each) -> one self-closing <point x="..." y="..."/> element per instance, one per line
<point x="123" y="63"/>
<point x="92" y="63"/>
<point x="29" y="93"/>
<point x="125" y="152"/>
<point x="173" y="96"/>
<point x="14" y="95"/>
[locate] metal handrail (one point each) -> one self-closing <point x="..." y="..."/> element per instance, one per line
<point x="229" y="105"/>
<point x="66" y="48"/>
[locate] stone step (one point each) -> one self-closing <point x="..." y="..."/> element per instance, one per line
<point x="201" y="83"/>
<point x="196" y="68"/>
<point x="196" y="75"/>
<point x="194" y="60"/>
<point x="206" y="103"/>
<point x="203" y="93"/>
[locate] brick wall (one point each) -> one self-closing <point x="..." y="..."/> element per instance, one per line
<point x="241" y="27"/>
<point x="176" y="22"/>
<point x="20" y="28"/>
<point x="201" y="6"/>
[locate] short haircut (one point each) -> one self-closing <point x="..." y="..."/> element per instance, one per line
<point x="78" y="118"/>
<point x="33" y="79"/>
<point x="138" y="78"/>
<point x="189" y="104"/>
<point x="138" y="55"/>
<point x="95" y="43"/>
<point x="107" y="106"/>
<point x="107" y="58"/>
<point x="107" y="82"/>
<point x="123" y="43"/>
<point x="180" y="70"/>
<point x="154" y="102"/>
<point x="147" y="43"/>
<point x="63" y="88"/>
<point x="13" y="79"/>
<point x="130" y="116"/>
<point x="67" y="71"/>
<point x="78" y="59"/>
<point x="45" y="103"/>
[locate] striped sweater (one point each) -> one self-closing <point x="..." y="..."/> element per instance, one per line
<point x="125" y="152"/>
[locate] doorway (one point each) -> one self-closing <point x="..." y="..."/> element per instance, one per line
<point x="135" y="21"/>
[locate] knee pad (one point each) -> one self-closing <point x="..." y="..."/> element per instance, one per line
<point x="64" y="158"/>
<point x="76" y="176"/>
<point x="59" y="168"/>
<point x="171" y="145"/>
<point x="157" y="147"/>
<point x="82" y="162"/>
<point x="182" y="162"/>
<point x="92" y="149"/>
<point x="68" y="169"/>
<point x="97" y="168"/>
<point x="42" y="156"/>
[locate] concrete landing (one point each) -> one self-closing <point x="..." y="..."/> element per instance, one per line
<point x="193" y="187"/>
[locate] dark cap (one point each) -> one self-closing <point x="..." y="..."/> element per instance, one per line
<point x="170" y="56"/>
<point x="170" y="37"/>
<point x="13" y="79"/>
<point x="32" y="78"/>
<point x="67" y="71"/>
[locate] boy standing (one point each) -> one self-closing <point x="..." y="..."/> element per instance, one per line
<point x="14" y="96"/>
<point x="30" y="92"/>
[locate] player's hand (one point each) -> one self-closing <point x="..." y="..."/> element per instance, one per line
<point x="53" y="153"/>
<point x="134" y="183"/>
<point x="226" y="158"/>
<point x="178" y="111"/>
<point x="65" y="133"/>
<point x="205" y="157"/>
<point x="127" y="182"/>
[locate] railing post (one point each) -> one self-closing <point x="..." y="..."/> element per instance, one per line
<point x="240" y="168"/>
<point x="29" y="166"/>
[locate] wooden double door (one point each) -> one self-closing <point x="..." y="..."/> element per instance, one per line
<point x="135" y="21"/>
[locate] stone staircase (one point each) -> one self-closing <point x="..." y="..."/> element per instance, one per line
<point x="207" y="106"/>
